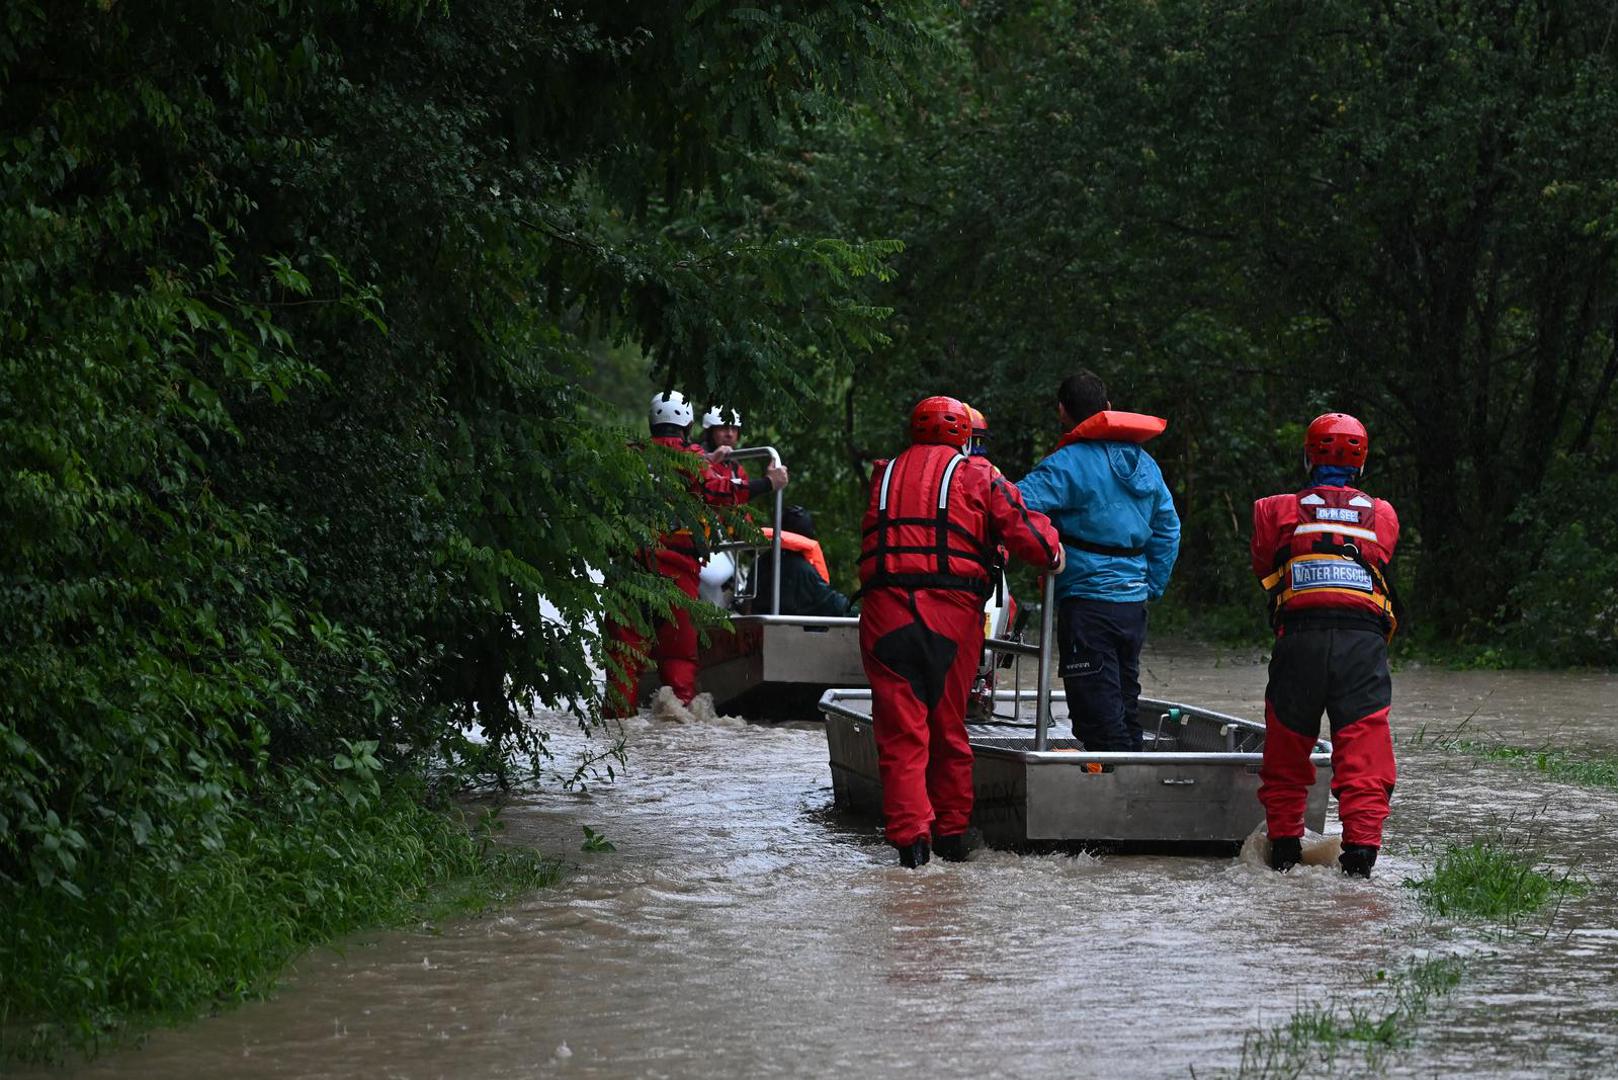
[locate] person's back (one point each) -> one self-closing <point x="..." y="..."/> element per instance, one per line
<point x="1113" y="509"/>
<point x="1107" y="498"/>
<point x="928" y="560"/>
<point x="1321" y="552"/>
<point x="1322" y="556"/>
<point x="944" y="548"/>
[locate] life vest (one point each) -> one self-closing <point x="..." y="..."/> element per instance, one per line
<point x="1110" y="425"/>
<point x="915" y="539"/>
<point x="732" y="484"/>
<point x="1328" y="557"/>
<point x="803" y="545"/>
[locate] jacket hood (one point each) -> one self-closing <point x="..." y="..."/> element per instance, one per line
<point x="1129" y="464"/>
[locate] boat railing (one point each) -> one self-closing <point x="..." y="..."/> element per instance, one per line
<point x="1226" y="739"/>
<point x="827" y="621"/>
<point x="744" y="453"/>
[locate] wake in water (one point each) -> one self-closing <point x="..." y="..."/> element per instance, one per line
<point x="668" y="708"/>
<point x="1318" y="850"/>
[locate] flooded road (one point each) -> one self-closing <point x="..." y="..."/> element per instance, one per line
<point x="743" y="929"/>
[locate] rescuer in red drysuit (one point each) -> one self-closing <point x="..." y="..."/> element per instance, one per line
<point x="723" y="427"/>
<point x="678" y="558"/>
<point x="1322" y="555"/>
<point x="928" y="550"/>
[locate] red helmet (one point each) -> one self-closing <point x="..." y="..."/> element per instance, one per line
<point x="940" y="420"/>
<point x="1336" y="439"/>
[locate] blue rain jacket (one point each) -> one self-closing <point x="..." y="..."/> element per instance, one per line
<point x="1112" y="494"/>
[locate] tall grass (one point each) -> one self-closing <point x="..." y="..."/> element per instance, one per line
<point x="155" y="942"/>
<point x="1488" y="880"/>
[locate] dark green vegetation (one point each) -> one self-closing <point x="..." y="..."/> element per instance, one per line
<point x="1353" y="1033"/>
<point x="173" y="936"/>
<point x="1244" y="214"/>
<point x="1488" y="879"/>
<point x="304" y="304"/>
<point x="297" y="297"/>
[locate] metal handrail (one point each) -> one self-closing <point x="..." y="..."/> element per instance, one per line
<point x="1018" y="648"/>
<point x="796" y="620"/>
<point x="775" y="538"/>
<point x="831" y="703"/>
<point x="1047" y="624"/>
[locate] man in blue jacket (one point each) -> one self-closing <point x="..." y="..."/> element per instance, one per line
<point x="1106" y="497"/>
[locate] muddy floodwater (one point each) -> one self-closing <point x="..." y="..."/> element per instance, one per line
<point x="740" y="928"/>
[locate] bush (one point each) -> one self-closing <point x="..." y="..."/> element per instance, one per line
<point x="161" y="940"/>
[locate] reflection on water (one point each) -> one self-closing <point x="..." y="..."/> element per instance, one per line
<point x="742" y="929"/>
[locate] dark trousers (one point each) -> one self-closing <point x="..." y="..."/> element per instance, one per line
<point x="1100" y="670"/>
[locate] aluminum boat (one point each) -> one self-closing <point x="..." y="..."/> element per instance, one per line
<point x="1193" y="785"/>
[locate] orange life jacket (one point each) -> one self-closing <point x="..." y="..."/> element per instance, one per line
<point x="1111" y="425"/>
<point x="803" y="545"/>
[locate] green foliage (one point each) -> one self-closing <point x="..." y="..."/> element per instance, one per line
<point x="1587" y="770"/>
<point x="1242" y="216"/>
<point x="298" y="299"/>
<point x="1488" y="880"/>
<point x="1566" y="578"/>
<point x="596" y="842"/>
<point x="296" y="474"/>
<point x="161" y="942"/>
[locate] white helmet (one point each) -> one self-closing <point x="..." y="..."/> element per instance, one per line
<point x="716" y="417"/>
<point x="669" y="408"/>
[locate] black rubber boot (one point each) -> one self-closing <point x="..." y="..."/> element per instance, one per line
<point x="1357" y="860"/>
<point x="950" y="848"/>
<point x="1285" y="853"/>
<point x="914" y="855"/>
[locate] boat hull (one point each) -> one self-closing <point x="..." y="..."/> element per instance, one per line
<point x="776" y="667"/>
<point x="1195" y="786"/>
